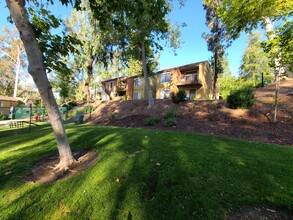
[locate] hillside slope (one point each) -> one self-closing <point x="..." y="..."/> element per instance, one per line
<point x="210" y="117"/>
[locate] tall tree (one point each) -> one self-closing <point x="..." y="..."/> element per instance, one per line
<point x="137" y="24"/>
<point x="216" y="39"/>
<point x="94" y="46"/>
<point x="255" y="62"/>
<point x="12" y="61"/>
<point x="240" y="15"/>
<point x="37" y="70"/>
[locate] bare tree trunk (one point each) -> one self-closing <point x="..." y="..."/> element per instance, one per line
<point x="38" y="72"/>
<point x="216" y="73"/>
<point x="276" y="96"/>
<point x="17" y="67"/>
<point x="88" y="80"/>
<point x="146" y="79"/>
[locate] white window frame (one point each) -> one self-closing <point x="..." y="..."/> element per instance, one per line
<point x="137" y="82"/>
<point x="165" y="79"/>
<point x="138" y="95"/>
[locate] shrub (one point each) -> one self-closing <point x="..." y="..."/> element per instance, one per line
<point x="112" y="117"/>
<point x="241" y="98"/>
<point x="168" y="122"/>
<point x="88" y="109"/>
<point x="151" y="121"/>
<point x="172" y="113"/>
<point x="4" y="117"/>
<point x="180" y="96"/>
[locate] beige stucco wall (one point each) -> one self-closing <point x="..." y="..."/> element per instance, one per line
<point x="142" y="89"/>
<point x="205" y="77"/>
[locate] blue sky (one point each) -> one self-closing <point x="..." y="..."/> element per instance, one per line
<point x="194" y="48"/>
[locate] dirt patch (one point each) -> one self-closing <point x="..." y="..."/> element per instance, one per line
<point x="257" y="213"/>
<point x="44" y="171"/>
<point x="210" y="117"/>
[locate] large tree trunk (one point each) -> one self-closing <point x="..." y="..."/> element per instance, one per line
<point x="88" y="80"/>
<point x="216" y="73"/>
<point x="146" y="78"/>
<point x="38" y="72"/>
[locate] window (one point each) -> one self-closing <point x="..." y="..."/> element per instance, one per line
<point x="111" y="84"/>
<point x="164" y="94"/>
<point x="137" y="82"/>
<point x="165" y="77"/>
<point x="136" y="95"/>
<point x="0" y="104"/>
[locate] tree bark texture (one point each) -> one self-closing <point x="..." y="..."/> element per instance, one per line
<point x="38" y="71"/>
<point x="146" y="79"/>
<point x="88" y="79"/>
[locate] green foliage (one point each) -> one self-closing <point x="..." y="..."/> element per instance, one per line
<point x="112" y="117"/>
<point x="179" y="96"/>
<point x="255" y="62"/>
<point x="151" y="121"/>
<point x="241" y="98"/>
<point x="282" y="41"/>
<point x="169" y="122"/>
<point x="170" y="117"/>
<point x="4" y="117"/>
<point x="136" y="170"/>
<point x="172" y="113"/>
<point x="242" y="15"/>
<point x="88" y="109"/>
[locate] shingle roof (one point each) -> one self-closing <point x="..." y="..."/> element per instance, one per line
<point x="7" y="98"/>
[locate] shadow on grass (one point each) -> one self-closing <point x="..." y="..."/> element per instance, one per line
<point x="144" y="174"/>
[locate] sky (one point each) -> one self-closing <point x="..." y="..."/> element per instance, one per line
<point x="194" y="48"/>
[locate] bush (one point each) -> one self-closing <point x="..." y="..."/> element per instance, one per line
<point x="180" y="96"/>
<point x="241" y="98"/>
<point x="88" y="109"/>
<point x="112" y="117"/>
<point x="151" y="121"/>
<point x="172" y="113"/>
<point x="168" y="122"/>
<point x="4" y="117"/>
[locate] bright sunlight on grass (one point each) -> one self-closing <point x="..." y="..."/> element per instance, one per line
<point x="143" y="174"/>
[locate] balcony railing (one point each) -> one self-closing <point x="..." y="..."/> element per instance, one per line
<point x="183" y="82"/>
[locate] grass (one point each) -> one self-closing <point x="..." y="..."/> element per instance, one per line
<point x="143" y="174"/>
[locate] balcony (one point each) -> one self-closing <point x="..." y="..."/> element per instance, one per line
<point x="121" y="87"/>
<point x="186" y="82"/>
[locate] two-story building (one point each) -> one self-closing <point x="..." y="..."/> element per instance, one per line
<point x="196" y="79"/>
<point x="130" y="87"/>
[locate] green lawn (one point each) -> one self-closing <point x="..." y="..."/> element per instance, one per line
<point x="198" y="177"/>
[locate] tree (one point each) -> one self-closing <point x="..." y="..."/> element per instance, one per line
<point x="255" y="62"/>
<point x="37" y="70"/>
<point x="12" y="61"/>
<point x="93" y="47"/>
<point x="216" y="39"/>
<point x="138" y="25"/>
<point x="240" y="15"/>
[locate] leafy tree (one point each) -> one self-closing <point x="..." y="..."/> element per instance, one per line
<point x="282" y="41"/>
<point x="12" y="62"/>
<point x="138" y="25"/>
<point x="255" y="62"/>
<point x="93" y="47"/>
<point x="242" y="15"/>
<point x="216" y="39"/>
<point x="37" y="70"/>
